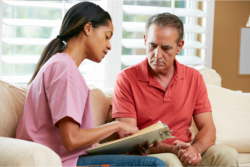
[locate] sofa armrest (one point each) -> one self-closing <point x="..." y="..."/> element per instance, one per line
<point x="15" y="152"/>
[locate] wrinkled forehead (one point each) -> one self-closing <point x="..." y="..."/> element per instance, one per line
<point x="156" y="33"/>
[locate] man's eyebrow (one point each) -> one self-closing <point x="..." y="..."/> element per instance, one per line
<point x="167" y="46"/>
<point x="164" y="46"/>
<point x="152" y="43"/>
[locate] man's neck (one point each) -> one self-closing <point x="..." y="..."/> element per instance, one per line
<point x="164" y="77"/>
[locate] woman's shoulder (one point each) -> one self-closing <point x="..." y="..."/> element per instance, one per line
<point x="61" y="67"/>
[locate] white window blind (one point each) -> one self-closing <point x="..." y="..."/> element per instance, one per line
<point x="27" y="27"/>
<point x="197" y="16"/>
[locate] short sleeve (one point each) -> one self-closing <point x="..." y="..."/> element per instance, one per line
<point x="202" y="103"/>
<point x="65" y="96"/>
<point x="123" y="101"/>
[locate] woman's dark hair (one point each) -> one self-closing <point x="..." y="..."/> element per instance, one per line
<point x="73" y="23"/>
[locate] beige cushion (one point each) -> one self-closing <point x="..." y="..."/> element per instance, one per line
<point x="12" y="99"/>
<point x="100" y="106"/>
<point x="244" y="159"/>
<point x="210" y="76"/>
<point x="15" y="152"/>
<point x="231" y="114"/>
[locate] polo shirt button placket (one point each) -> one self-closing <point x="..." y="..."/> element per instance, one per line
<point x="167" y="100"/>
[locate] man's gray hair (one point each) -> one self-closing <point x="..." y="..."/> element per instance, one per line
<point x="166" y="20"/>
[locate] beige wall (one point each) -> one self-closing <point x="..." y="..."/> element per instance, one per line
<point x="228" y="17"/>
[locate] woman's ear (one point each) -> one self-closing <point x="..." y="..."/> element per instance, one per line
<point x="87" y="28"/>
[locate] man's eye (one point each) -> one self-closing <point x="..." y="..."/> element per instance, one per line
<point x="151" y="46"/>
<point x="107" y="37"/>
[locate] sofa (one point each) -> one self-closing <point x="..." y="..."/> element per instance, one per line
<point x="231" y="114"/>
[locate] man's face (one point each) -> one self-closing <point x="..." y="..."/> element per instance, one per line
<point x="161" y="47"/>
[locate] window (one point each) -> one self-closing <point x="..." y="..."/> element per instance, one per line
<point x="197" y="16"/>
<point x="28" y="26"/>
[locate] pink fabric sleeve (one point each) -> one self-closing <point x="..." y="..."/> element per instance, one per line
<point x="123" y="101"/>
<point x="202" y="102"/>
<point x="65" y="96"/>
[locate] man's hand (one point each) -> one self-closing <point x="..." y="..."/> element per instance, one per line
<point x="188" y="156"/>
<point x="145" y="150"/>
<point x="142" y="150"/>
<point x="179" y="145"/>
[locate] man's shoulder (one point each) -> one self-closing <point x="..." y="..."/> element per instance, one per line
<point x="190" y="72"/>
<point x="129" y="72"/>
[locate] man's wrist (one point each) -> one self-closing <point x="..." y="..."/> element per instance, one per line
<point x="198" y="148"/>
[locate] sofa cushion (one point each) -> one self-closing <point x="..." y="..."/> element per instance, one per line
<point x="12" y="99"/>
<point x="231" y="114"/>
<point x="210" y="76"/>
<point x="100" y="105"/>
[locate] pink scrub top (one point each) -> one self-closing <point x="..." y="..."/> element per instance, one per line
<point x="58" y="91"/>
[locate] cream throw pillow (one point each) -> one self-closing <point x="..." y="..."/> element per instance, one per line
<point x="231" y="114"/>
<point x="12" y="99"/>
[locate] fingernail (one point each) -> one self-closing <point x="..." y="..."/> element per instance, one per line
<point x="189" y="162"/>
<point x="187" y="144"/>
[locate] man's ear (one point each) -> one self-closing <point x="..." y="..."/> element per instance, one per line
<point x="145" y="40"/>
<point x="88" y="28"/>
<point x="179" y="47"/>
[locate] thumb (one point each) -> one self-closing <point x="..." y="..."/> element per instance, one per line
<point x="183" y="145"/>
<point x="177" y="142"/>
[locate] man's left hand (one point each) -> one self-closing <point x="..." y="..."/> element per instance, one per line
<point x="189" y="156"/>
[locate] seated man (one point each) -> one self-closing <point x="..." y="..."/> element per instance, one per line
<point x="161" y="89"/>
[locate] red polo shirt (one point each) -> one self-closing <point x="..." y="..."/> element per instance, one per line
<point x="138" y="94"/>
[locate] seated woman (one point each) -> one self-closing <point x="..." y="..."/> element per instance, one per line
<point x="57" y="110"/>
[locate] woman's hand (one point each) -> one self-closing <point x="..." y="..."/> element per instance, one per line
<point x="126" y="129"/>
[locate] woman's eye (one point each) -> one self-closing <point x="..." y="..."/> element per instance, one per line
<point x="107" y="37"/>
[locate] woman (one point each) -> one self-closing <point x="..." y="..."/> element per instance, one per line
<point x="57" y="110"/>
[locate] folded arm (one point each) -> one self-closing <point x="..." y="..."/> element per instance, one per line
<point x="202" y="141"/>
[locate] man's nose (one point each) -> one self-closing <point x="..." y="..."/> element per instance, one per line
<point x="158" y="53"/>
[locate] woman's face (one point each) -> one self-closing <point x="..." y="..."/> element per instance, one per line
<point x="98" y="42"/>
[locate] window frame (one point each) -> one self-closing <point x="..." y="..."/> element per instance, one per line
<point x="1" y="35"/>
<point x="208" y="6"/>
<point x="115" y="8"/>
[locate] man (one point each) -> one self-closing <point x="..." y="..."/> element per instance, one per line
<point x="161" y="89"/>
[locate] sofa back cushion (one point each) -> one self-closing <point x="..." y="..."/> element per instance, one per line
<point x="12" y="99"/>
<point x="210" y="76"/>
<point x="231" y="115"/>
<point x="100" y="106"/>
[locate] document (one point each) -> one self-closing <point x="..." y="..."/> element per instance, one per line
<point x="157" y="131"/>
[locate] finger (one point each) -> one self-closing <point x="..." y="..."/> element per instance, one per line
<point x="187" y="156"/>
<point x="156" y="143"/>
<point x="183" y="145"/>
<point x="181" y="152"/>
<point x="198" y="160"/>
<point x="193" y="161"/>
<point x="141" y="149"/>
<point x="147" y="145"/>
<point x="177" y="142"/>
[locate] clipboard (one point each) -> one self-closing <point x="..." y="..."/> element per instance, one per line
<point x="158" y="131"/>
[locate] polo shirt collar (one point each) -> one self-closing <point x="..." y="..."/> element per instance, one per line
<point x="143" y="73"/>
